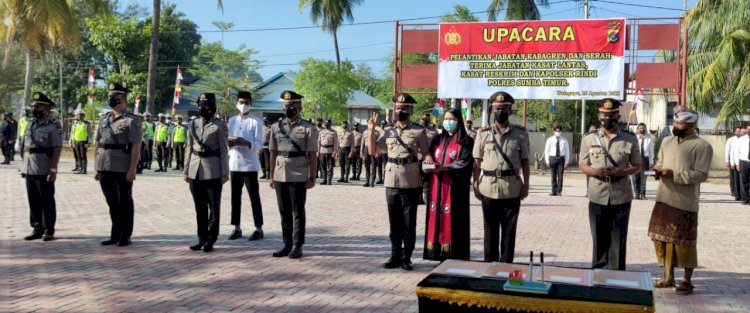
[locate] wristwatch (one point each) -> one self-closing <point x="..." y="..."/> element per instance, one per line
<point x="53" y="170"/>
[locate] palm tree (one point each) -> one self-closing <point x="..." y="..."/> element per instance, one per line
<point x="719" y="58"/>
<point x="331" y="14"/>
<point x="41" y="25"/>
<point x="153" y="53"/>
<point x="516" y="9"/>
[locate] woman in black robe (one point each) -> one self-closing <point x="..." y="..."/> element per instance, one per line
<point x="447" y="216"/>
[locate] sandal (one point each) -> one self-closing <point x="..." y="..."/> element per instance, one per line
<point x="685" y="288"/>
<point x="663" y="283"/>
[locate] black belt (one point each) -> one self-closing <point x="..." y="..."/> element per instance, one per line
<point x="503" y="173"/>
<point x="403" y="161"/>
<point x="112" y="146"/>
<point x="291" y="154"/>
<point x="326" y="146"/>
<point x="41" y="150"/>
<point x="609" y="179"/>
<point x="207" y="153"/>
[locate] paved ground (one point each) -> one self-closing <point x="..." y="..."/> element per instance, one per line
<point x="340" y="271"/>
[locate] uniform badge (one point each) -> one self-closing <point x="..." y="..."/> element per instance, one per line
<point x="36" y="96"/>
<point x="500" y="98"/>
<point x="608" y="105"/>
<point x="287" y="96"/>
<point x="111" y="86"/>
<point x="401" y="98"/>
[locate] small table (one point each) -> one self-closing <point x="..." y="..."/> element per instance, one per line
<point x="464" y="286"/>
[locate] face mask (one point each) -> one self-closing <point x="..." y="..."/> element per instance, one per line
<point x="609" y="123"/>
<point x="679" y="132"/>
<point x="291" y="112"/>
<point x="449" y="125"/>
<point x="557" y="134"/>
<point x="403" y="116"/>
<point x="244" y="108"/>
<point x="501" y="117"/>
<point x="38" y="114"/>
<point x="207" y="113"/>
<point x="113" y="102"/>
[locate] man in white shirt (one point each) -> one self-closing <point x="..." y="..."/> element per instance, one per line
<point x="646" y="149"/>
<point x="557" y="157"/>
<point x="245" y="139"/>
<point x="741" y="152"/>
<point x="734" y="175"/>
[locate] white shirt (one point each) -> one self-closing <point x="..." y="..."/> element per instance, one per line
<point x="250" y="128"/>
<point x="648" y="147"/>
<point x="741" y="146"/>
<point x="550" y="149"/>
<point x="729" y="151"/>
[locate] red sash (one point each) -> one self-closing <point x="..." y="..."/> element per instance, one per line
<point x="439" y="202"/>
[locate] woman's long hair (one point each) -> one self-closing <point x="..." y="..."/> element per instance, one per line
<point x="460" y="126"/>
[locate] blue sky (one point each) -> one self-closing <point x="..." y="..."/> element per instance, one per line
<point x="280" y="50"/>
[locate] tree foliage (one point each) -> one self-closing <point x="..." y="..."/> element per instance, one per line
<point x="516" y="9"/>
<point x="326" y="88"/>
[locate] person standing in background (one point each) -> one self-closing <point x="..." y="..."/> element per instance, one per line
<point x="557" y="158"/>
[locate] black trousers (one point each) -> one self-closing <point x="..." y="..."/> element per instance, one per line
<point x="179" y="152"/>
<point x="344" y="162"/>
<point x="119" y="195"/>
<point x="161" y="154"/>
<point x="745" y="180"/>
<point x="370" y="168"/>
<point x="402" y="216"/>
<point x="735" y="183"/>
<point x="168" y="156"/>
<point x="639" y="179"/>
<point x="609" y="231"/>
<point x="557" y="169"/>
<point x="265" y="158"/>
<point x="150" y="153"/>
<point x="80" y="152"/>
<point x="383" y="160"/>
<point x="143" y="160"/>
<point x="207" y="200"/>
<point x="355" y="163"/>
<point x="250" y="181"/>
<point x="7" y="148"/>
<point x="41" y="194"/>
<point x="500" y="216"/>
<point x="291" y="198"/>
<point x="326" y="164"/>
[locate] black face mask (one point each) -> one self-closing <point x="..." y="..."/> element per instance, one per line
<point x="501" y="117"/>
<point x="207" y="112"/>
<point x="679" y="132"/>
<point x="291" y="112"/>
<point x="113" y="102"/>
<point x="38" y="114"/>
<point x="609" y="123"/>
<point x="403" y="116"/>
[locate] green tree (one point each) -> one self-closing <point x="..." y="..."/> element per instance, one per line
<point x="330" y="14"/>
<point x="326" y="87"/>
<point x="719" y="58"/>
<point x="516" y="9"/>
<point x="460" y="14"/>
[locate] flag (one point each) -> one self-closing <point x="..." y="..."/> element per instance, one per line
<point x="466" y="109"/>
<point x="437" y="111"/>
<point x="552" y="110"/>
<point x="177" y="90"/>
<point x="90" y="96"/>
<point x="137" y="104"/>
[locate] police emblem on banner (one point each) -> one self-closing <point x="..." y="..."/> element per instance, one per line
<point x="613" y="31"/>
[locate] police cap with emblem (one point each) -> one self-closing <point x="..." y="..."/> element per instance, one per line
<point x="117" y="88"/>
<point x="207" y="98"/>
<point x="501" y="98"/>
<point x="42" y="98"/>
<point x="289" y="95"/>
<point x="609" y="105"/>
<point x="245" y="95"/>
<point x="403" y="98"/>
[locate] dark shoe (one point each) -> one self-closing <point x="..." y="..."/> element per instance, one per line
<point x="553" y="194"/>
<point x="282" y="252"/>
<point x="33" y="236"/>
<point x="110" y="242"/>
<point x="392" y="263"/>
<point x="264" y="176"/>
<point x="124" y="242"/>
<point x="83" y="172"/>
<point x="236" y="234"/>
<point x="48" y="237"/>
<point x="198" y="245"/>
<point x="367" y="184"/>
<point x="379" y="182"/>
<point x="737" y="198"/>
<point x="406" y="265"/>
<point x="324" y="182"/>
<point x="208" y="247"/>
<point x="296" y="253"/>
<point x="257" y="235"/>
<point x="341" y="181"/>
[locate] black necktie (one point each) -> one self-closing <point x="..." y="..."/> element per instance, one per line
<point x="643" y="153"/>
<point x="748" y="152"/>
<point x="557" y="147"/>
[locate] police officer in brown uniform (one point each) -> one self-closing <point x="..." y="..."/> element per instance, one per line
<point x="608" y="157"/>
<point x="294" y="156"/>
<point x="207" y="169"/>
<point x="355" y="158"/>
<point x="370" y="160"/>
<point x="404" y="143"/>
<point x="118" y="148"/>
<point x="346" y="140"/>
<point x="329" y="147"/>
<point x="264" y="153"/>
<point x="501" y="155"/>
<point x="42" y="145"/>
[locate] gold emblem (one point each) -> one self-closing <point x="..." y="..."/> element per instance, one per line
<point x="452" y="37"/>
<point x="203" y="96"/>
<point x="36" y="96"/>
<point x="287" y="96"/>
<point x="500" y="98"/>
<point x="613" y="31"/>
<point x="608" y="105"/>
<point x="401" y="99"/>
<point x="111" y="86"/>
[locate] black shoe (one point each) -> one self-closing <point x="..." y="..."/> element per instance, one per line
<point x="48" y="237"/>
<point x="406" y="265"/>
<point x="73" y="170"/>
<point x="124" y="242"/>
<point x="553" y="194"/>
<point x="282" y="252"/>
<point x="737" y="198"/>
<point x="83" y="172"/>
<point x="324" y="182"/>
<point x="236" y="234"/>
<point x="367" y="184"/>
<point x="341" y="181"/>
<point x="264" y="176"/>
<point x="110" y="242"/>
<point x="33" y="236"/>
<point x="208" y="247"/>
<point x="198" y="246"/>
<point x="296" y="253"/>
<point x="380" y="182"/>
<point x="353" y="178"/>
<point x="257" y="235"/>
<point x="392" y="263"/>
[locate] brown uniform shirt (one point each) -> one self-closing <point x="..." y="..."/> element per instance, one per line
<point x="305" y="135"/>
<point x="690" y="161"/>
<point x="623" y="148"/>
<point x="346" y="139"/>
<point x="213" y="134"/>
<point x="408" y="175"/>
<point x="356" y="141"/>
<point x="514" y="142"/>
<point x="328" y="140"/>
<point x="266" y="136"/>
<point x="42" y="135"/>
<point x="363" y="145"/>
<point x="124" y="129"/>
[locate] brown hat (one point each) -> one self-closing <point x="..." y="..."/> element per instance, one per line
<point x="403" y="98"/>
<point x="609" y="105"/>
<point x="501" y="97"/>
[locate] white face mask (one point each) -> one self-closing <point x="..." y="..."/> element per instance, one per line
<point x="244" y="108"/>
